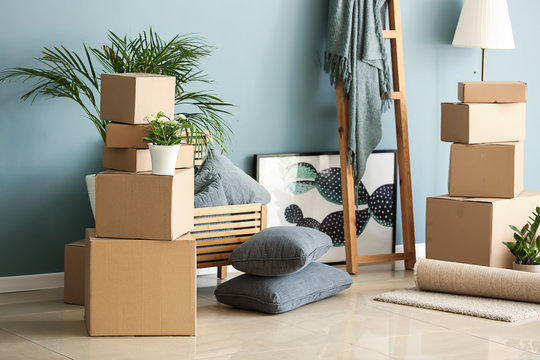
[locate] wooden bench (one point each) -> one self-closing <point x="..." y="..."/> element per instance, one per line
<point x="221" y="229"/>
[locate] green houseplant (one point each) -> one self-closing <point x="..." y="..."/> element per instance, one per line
<point x="526" y="247"/>
<point x="164" y="139"/>
<point x="64" y="73"/>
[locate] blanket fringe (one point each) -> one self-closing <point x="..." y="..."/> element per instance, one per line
<point x="338" y="68"/>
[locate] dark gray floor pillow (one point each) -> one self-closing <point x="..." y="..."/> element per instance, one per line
<point x="239" y="187"/>
<point x="280" y="250"/>
<point x="278" y="294"/>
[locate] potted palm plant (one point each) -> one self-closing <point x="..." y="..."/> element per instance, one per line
<point x="62" y="73"/>
<point x="164" y="142"/>
<point x="526" y="248"/>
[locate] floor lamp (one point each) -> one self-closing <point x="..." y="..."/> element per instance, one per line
<point x="484" y="24"/>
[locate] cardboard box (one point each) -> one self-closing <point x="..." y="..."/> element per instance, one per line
<point x="144" y="206"/>
<point x="492" y="92"/>
<point x="137" y="160"/>
<point x="130" y="98"/>
<point x="471" y="230"/>
<point x="138" y="287"/>
<point x="74" y="273"/>
<point x="480" y="123"/>
<point x="126" y="136"/>
<point x="486" y="170"/>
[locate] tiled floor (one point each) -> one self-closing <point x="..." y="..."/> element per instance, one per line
<point x="37" y="325"/>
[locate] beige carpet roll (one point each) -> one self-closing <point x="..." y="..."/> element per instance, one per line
<point x="464" y="279"/>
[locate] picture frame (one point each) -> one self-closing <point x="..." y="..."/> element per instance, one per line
<point x="306" y="191"/>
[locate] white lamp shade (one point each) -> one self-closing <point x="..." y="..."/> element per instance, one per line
<point x="484" y="24"/>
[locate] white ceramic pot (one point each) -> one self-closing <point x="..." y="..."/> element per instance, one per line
<point x="91" y="187"/>
<point x="163" y="158"/>
<point x="528" y="268"/>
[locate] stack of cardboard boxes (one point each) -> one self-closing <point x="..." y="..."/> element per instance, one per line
<point x="140" y="261"/>
<point x="126" y="101"/>
<point x="485" y="187"/>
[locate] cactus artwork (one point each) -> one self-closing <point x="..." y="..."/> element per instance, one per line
<point x="306" y="191"/>
<point x="332" y="225"/>
<point x="328" y="184"/>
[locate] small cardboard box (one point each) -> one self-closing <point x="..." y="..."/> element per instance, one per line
<point x="138" y="287"/>
<point x="144" y="206"/>
<point x="74" y="273"/>
<point x="486" y="170"/>
<point x="492" y="92"/>
<point x="480" y="123"/>
<point x="137" y="160"/>
<point x="471" y="230"/>
<point x="126" y="136"/>
<point x="131" y="97"/>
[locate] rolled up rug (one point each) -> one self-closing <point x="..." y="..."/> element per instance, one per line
<point x="465" y="279"/>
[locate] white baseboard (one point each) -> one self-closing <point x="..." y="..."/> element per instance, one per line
<point x="420" y="254"/>
<point x="31" y="282"/>
<point x="56" y="280"/>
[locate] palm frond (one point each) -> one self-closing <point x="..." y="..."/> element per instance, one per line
<point x="63" y="73"/>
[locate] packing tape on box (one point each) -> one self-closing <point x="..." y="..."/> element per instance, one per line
<point x="464" y="279"/>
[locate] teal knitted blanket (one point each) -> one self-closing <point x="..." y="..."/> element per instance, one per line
<point x="355" y="53"/>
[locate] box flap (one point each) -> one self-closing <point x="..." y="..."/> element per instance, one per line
<point x="127" y="173"/>
<point x="468" y="199"/>
<point x="77" y="243"/>
<point x="134" y="75"/>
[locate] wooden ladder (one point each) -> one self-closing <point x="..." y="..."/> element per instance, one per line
<point x="347" y="182"/>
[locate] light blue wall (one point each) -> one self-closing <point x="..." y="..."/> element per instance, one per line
<point x="266" y="62"/>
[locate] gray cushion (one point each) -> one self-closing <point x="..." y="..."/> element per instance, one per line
<point x="239" y="187"/>
<point x="280" y="250"/>
<point x="211" y="193"/>
<point x="278" y="294"/>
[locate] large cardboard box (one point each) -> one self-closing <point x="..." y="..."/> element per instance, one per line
<point x="486" y="170"/>
<point x="131" y="97"/>
<point x="126" y="136"/>
<point x="137" y="160"/>
<point x="138" y="287"/>
<point x="492" y="92"/>
<point x="471" y="230"/>
<point x="74" y="273"/>
<point x="480" y="123"/>
<point x="144" y="206"/>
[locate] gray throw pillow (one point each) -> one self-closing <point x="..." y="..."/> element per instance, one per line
<point x="239" y="187"/>
<point x="211" y="193"/>
<point x="278" y="294"/>
<point x="280" y="250"/>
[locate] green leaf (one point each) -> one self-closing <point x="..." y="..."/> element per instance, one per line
<point x="514" y="228"/>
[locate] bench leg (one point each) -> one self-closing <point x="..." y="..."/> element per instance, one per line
<point x="222" y="272"/>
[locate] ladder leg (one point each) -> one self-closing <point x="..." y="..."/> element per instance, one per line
<point x="402" y="135"/>
<point x="347" y="182"/>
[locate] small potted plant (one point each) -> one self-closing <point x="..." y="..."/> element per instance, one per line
<point x="526" y="248"/>
<point x="164" y="142"/>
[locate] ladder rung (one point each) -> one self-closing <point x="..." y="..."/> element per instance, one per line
<point x="390" y="34"/>
<point x="395" y="95"/>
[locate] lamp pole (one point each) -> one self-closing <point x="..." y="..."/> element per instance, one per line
<point x="483" y="63"/>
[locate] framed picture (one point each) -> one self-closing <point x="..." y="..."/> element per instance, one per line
<point x="306" y="191"/>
